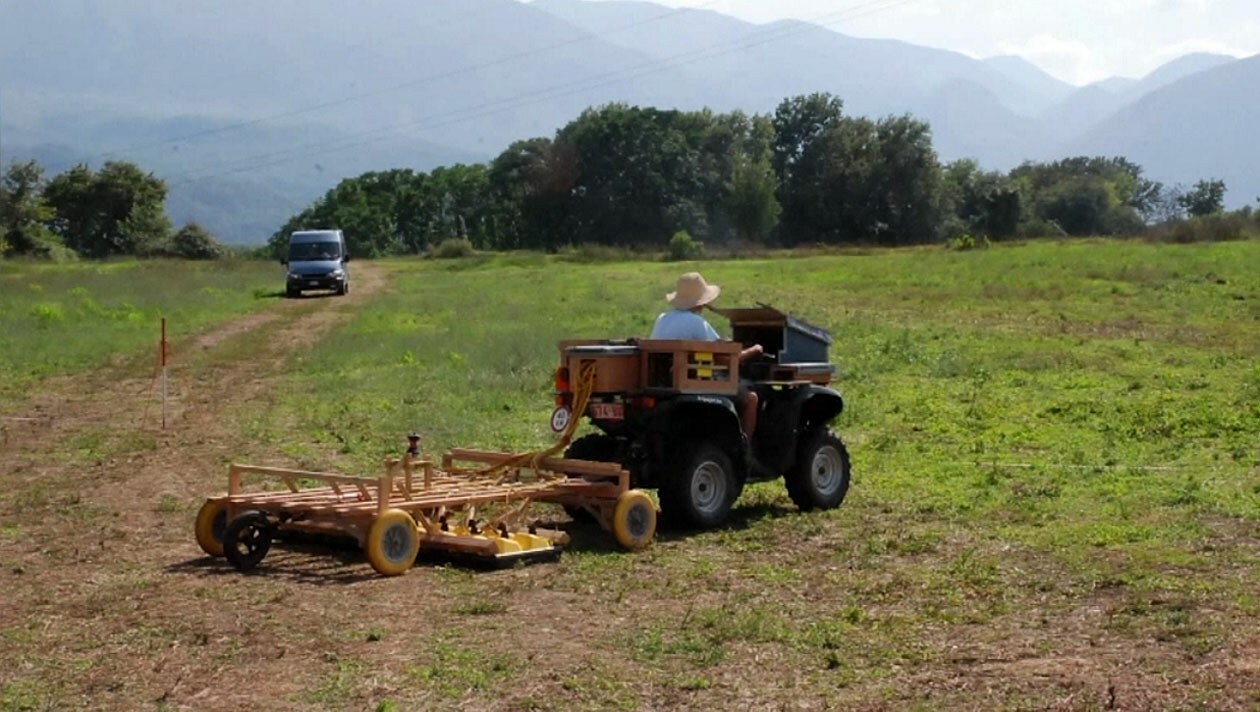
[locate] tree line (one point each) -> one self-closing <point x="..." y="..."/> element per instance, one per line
<point x="117" y="210"/>
<point x="807" y="174"/>
<point x="633" y="176"/>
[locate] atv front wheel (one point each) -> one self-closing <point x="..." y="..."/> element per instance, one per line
<point x="820" y="477"/>
<point x="701" y="490"/>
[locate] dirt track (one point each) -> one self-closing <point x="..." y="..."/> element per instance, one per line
<point x="113" y="604"/>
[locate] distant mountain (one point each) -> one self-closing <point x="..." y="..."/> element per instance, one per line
<point x="1176" y="70"/>
<point x="759" y="65"/>
<point x="1091" y="104"/>
<point x="252" y="110"/>
<point x="297" y="95"/>
<point x="1200" y="126"/>
<point x="1047" y="89"/>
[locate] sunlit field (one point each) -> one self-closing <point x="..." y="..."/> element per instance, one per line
<point x="61" y="318"/>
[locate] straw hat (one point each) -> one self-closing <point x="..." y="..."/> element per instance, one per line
<point x="692" y="291"/>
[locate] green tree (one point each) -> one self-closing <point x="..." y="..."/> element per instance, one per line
<point x="1207" y="197"/>
<point x="1079" y="204"/>
<point x="116" y="211"/>
<point x="630" y="168"/>
<point x="1090" y="195"/>
<point x="146" y="232"/>
<point x="798" y="122"/>
<point x="24" y="213"/>
<point x="534" y="182"/>
<point x="194" y="242"/>
<point x="864" y="181"/>
<point x="984" y="203"/>
<point x="753" y="207"/>
<point x="906" y="182"/>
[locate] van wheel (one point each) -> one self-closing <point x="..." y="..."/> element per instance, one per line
<point x="702" y="488"/>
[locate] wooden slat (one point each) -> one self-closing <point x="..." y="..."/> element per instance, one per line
<point x="557" y="464"/>
<point x="456" y="542"/>
<point x="329" y="477"/>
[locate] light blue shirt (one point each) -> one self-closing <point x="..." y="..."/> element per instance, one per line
<point x="684" y="324"/>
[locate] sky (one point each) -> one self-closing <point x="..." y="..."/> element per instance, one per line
<point x="1078" y="41"/>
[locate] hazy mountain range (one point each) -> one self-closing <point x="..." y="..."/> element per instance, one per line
<point x="252" y="110"/>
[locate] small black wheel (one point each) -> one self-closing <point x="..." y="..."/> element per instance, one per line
<point x="247" y="540"/>
<point x="292" y="293"/>
<point x="820" y="477"/>
<point x="701" y="489"/>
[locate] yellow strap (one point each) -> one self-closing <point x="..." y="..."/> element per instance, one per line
<point x="581" y="396"/>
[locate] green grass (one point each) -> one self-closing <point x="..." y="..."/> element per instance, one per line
<point x="64" y="318"/>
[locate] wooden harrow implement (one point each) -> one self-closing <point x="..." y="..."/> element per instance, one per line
<point x="416" y="506"/>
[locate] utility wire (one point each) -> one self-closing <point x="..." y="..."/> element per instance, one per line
<point x="408" y="85"/>
<point x="490" y="108"/>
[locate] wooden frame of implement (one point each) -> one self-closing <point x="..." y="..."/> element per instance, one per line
<point x="413" y="504"/>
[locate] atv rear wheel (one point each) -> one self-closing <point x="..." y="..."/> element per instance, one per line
<point x="702" y="488"/>
<point x="820" y="477"/>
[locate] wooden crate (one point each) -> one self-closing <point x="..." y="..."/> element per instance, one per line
<point x="690" y="366"/>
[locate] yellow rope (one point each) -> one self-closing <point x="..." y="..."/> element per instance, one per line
<point x="581" y="396"/>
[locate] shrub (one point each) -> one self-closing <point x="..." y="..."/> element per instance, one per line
<point x="452" y="248"/>
<point x="194" y="242"/>
<point x="590" y="252"/>
<point x="683" y="247"/>
<point x="1210" y="228"/>
<point x="1040" y="228"/>
<point x="967" y="242"/>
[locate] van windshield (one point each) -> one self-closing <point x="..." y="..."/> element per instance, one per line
<point x="309" y="251"/>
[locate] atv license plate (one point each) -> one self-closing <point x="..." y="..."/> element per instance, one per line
<point x="608" y="411"/>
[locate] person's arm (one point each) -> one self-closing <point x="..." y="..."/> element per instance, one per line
<point x="754" y="350"/>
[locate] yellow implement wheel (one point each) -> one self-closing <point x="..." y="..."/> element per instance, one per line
<point x="211" y="521"/>
<point x="634" y="519"/>
<point x="393" y="542"/>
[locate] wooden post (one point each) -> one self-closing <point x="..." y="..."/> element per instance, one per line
<point x="163" y="352"/>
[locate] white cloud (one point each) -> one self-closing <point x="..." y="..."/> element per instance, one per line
<point x="1070" y="60"/>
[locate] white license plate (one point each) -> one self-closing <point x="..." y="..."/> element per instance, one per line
<point x="314" y="283"/>
<point x="608" y="411"/>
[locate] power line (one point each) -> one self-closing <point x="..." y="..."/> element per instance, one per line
<point x="525" y="99"/>
<point x="411" y="84"/>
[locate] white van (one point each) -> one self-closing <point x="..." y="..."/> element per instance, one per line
<point x="317" y="260"/>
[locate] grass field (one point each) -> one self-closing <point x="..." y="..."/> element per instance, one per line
<point x="61" y="318"/>
<point x="1056" y="501"/>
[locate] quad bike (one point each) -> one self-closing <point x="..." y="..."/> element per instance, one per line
<point x="667" y="412"/>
